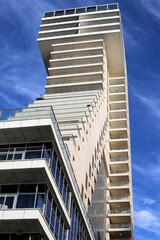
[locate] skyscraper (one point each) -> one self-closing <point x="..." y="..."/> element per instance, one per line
<point x="65" y="167"/>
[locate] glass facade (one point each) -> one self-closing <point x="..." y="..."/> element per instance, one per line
<point x="34" y="196"/>
<point x="82" y="10"/>
<point x="38" y="151"/>
<point x="38" y="195"/>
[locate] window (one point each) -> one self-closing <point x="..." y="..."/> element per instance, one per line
<point x="59" y="13"/>
<point x="48" y="14"/>
<point x="80" y="10"/>
<point x="91" y="9"/>
<point x="102" y="7"/>
<point x="70" y="11"/>
<point x="112" y="6"/>
<point x="25" y="201"/>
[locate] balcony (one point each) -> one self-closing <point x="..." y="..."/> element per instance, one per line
<point x="119" y="172"/>
<point x="119" y="198"/>
<point x="119" y="226"/>
<point x="37" y="152"/>
<point x="118" y="159"/>
<point x="114" y="137"/>
<point x="31" y="203"/>
<point x="118" y="184"/>
<point x="119" y="211"/>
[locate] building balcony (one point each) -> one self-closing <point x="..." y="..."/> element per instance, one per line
<point x="119" y="227"/>
<point x="23" y="221"/>
<point x="119" y="172"/>
<point x="119" y="212"/>
<point x="118" y="159"/>
<point x="119" y="198"/>
<point x="118" y="184"/>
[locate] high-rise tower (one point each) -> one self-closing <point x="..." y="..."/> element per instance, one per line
<point x="65" y="168"/>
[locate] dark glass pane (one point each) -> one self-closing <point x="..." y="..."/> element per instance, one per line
<point x="52" y="218"/>
<point x="9" y="189"/>
<point x="49" y="197"/>
<point x="3" y="156"/>
<point x="42" y="188"/>
<point x="25" y="201"/>
<point x="18" y="156"/>
<point x="57" y="176"/>
<point x="36" y="236"/>
<point x="69" y="11"/>
<point x="55" y="155"/>
<point x="27" y="188"/>
<point x="53" y="166"/>
<point x="40" y="202"/>
<point x="80" y="10"/>
<point x="1" y="200"/>
<point x="112" y="6"/>
<point x="45" y="155"/>
<point x="10" y="157"/>
<point x="48" y="210"/>
<point x="91" y="9"/>
<point x="4" y="236"/>
<point x="20" y="236"/>
<point x="59" y="13"/>
<point x="4" y="148"/>
<point x="33" y="154"/>
<point x="101" y="8"/>
<point x="48" y="14"/>
<point x="9" y="202"/>
<point x="57" y="226"/>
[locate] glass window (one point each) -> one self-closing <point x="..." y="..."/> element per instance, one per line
<point x="33" y="154"/>
<point x="3" y="157"/>
<point x="42" y="188"/>
<point x="40" y="202"/>
<point x="112" y="6"/>
<point x="4" y="148"/>
<point x="9" y="202"/>
<point x="80" y="10"/>
<point x="27" y="188"/>
<point x="10" y="157"/>
<point x="70" y="11"/>
<point x="59" y="13"/>
<point x="1" y="200"/>
<point x="48" y="14"/>
<point x="5" y="236"/>
<point x="25" y="201"/>
<point x="9" y="188"/>
<point x="20" y="237"/>
<point x="101" y="8"/>
<point x="18" y="156"/>
<point x="91" y="9"/>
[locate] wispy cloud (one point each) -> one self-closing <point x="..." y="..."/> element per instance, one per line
<point x="148" y="220"/>
<point x="152" y="103"/>
<point x="152" y="7"/>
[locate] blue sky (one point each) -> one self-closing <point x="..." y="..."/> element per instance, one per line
<point x="23" y="76"/>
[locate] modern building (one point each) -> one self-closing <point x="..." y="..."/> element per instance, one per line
<point x="65" y="166"/>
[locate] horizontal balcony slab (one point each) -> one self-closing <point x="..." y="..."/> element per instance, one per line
<point x="32" y="171"/>
<point x="28" y="220"/>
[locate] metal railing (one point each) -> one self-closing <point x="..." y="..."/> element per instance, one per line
<point x="118" y="159"/>
<point x="119" y="171"/>
<point x="119" y="225"/>
<point x="118" y="137"/>
<point x="81" y="10"/>
<point x="118" y="184"/>
<point x="119" y="211"/>
<point x="119" y="197"/>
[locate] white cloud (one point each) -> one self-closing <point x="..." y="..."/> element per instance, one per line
<point x="148" y="201"/>
<point x="147" y="220"/>
<point x="151" y="6"/>
<point x="152" y="103"/>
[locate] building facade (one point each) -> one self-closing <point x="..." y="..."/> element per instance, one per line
<point x="65" y="165"/>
